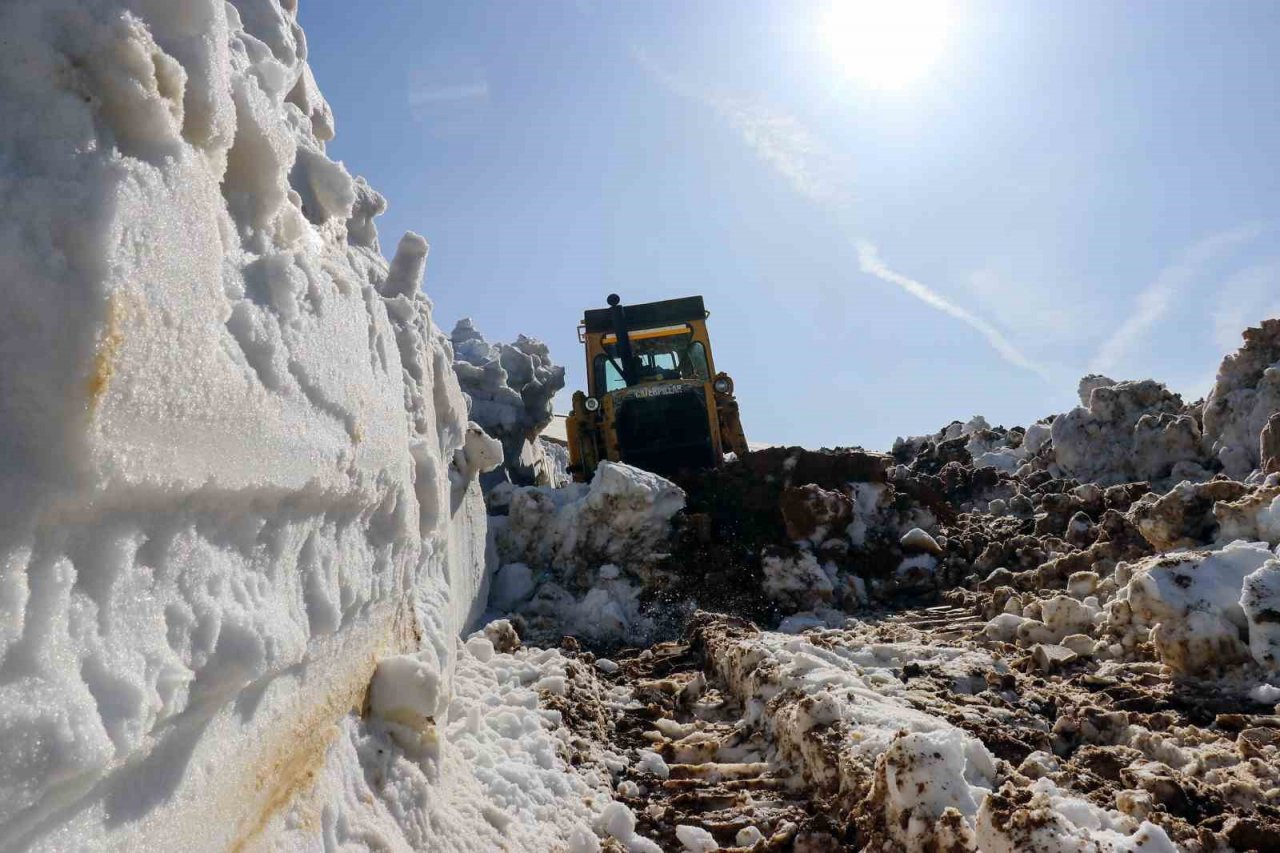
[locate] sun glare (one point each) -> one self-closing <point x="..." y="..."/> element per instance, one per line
<point x="887" y="44"/>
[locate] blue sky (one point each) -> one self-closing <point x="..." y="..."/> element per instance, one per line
<point x="1065" y="188"/>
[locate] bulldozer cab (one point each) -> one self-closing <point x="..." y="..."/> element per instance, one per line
<point x="653" y="399"/>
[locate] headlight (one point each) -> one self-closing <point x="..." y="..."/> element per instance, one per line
<point x="723" y="385"/>
<point x="592" y="404"/>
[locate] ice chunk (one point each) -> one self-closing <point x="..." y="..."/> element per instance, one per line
<point x="622" y="518"/>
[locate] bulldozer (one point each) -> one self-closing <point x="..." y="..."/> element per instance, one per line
<point x="654" y="399"/>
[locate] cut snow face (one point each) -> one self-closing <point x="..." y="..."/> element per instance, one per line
<point x="509" y="389"/>
<point x="237" y="463"/>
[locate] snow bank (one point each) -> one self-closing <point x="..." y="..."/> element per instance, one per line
<point x="235" y="464"/>
<point x="837" y="710"/>
<point x="1044" y="818"/>
<point x="509" y="388"/>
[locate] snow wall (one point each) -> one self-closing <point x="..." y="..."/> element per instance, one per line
<point x="232" y="470"/>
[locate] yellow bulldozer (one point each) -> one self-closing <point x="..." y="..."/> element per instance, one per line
<point x="654" y="399"/>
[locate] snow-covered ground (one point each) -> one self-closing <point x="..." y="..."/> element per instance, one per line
<point x="471" y="763"/>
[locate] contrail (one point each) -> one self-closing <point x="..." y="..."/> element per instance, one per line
<point x="869" y="261"/>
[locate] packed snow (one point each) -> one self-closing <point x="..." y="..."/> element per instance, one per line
<point x="237" y="467"/>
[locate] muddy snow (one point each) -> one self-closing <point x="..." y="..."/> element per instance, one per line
<point x="1059" y="637"/>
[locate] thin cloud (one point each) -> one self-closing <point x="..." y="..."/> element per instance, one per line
<point x="777" y="138"/>
<point x="1154" y="302"/>
<point x="869" y="261"/>
<point x="1246" y="298"/>
<point x="445" y="94"/>
<point x="448" y="93"/>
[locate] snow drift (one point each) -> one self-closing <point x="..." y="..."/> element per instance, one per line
<point x="236" y="466"/>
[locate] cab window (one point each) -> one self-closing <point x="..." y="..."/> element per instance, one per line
<point x="697" y="362"/>
<point x="659" y="358"/>
<point x="607" y="377"/>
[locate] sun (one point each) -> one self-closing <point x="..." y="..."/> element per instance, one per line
<point x="890" y="45"/>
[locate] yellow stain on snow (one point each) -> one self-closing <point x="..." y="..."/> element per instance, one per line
<point x="108" y="351"/>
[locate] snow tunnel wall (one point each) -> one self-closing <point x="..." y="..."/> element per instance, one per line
<point x="230" y="475"/>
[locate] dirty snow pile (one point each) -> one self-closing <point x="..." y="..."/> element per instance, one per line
<point x="509" y="388"/>
<point x="838" y="709"/>
<point x="575" y="560"/>
<point x="1131" y="431"/>
<point x="237" y="468"/>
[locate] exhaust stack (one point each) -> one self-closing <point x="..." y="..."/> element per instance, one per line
<point x="624" y="339"/>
